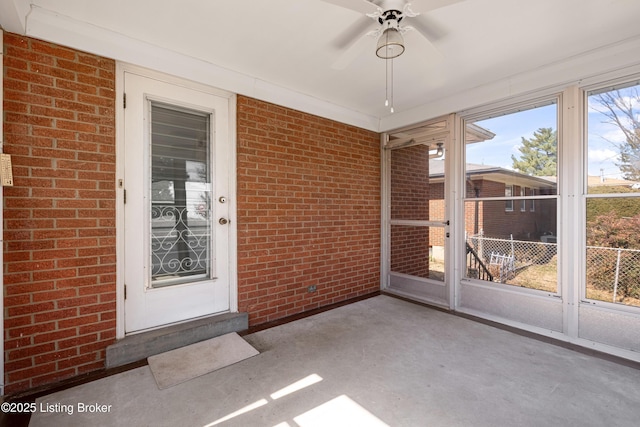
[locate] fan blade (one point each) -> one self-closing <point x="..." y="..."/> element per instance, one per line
<point x="428" y="27"/>
<point x="362" y="6"/>
<point x="423" y="6"/>
<point x="427" y="49"/>
<point x="353" y="32"/>
<point x="352" y="52"/>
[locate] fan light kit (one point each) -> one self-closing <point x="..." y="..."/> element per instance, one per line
<point x="390" y="43"/>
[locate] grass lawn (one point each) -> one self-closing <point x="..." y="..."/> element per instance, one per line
<point x="545" y="278"/>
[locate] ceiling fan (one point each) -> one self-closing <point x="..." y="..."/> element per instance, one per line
<point x="386" y="18"/>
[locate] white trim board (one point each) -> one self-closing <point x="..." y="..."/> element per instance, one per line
<point x="48" y="25"/>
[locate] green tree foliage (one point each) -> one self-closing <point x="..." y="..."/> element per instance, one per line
<point x="539" y="154"/>
<point x="622" y="109"/>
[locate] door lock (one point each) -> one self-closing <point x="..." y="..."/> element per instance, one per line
<point x="222" y="199"/>
<point x="223" y="221"/>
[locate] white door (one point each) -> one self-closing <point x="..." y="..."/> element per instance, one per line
<point x="417" y="229"/>
<point x="176" y="227"/>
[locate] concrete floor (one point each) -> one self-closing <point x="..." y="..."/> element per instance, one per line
<point x="381" y="361"/>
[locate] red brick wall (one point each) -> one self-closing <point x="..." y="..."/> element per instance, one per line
<point x="491" y="218"/>
<point x="59" y="217"/>
<point x="308" y="211"/>
<point x="410" y="201"/>
<point x="495" y="221"/>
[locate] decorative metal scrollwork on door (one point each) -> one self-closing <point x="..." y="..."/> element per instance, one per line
<point x="180" y="242"/>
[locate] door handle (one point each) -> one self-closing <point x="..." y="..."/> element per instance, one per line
<point x="223" y="221"/>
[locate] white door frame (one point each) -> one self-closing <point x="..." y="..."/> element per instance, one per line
<point x="121" y="68"/>
<point x="448" y="135"/>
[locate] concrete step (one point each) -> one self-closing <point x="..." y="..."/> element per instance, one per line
<point x="140" y="346"/>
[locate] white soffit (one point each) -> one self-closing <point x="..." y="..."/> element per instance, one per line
<point x="13" y="15"/>
<point x="285" y="51"/>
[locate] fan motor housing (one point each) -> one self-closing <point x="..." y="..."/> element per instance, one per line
<point x="388" y="15"/>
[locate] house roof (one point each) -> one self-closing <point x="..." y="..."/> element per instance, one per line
<point x="493" y="173"/>
<point x="599" y="181"/>
<point x="312" y="56"/>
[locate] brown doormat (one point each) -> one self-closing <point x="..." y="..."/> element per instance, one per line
<point x="185" y="363"/>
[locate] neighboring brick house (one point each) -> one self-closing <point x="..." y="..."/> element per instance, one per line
<point x="308" y="211"/>
<point x="522" y="219"/>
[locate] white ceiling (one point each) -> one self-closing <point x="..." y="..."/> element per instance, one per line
<point x="284" y="51"/>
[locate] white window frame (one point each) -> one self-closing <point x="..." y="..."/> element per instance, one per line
<point x="606" y="327"/>
<point x="633" y="80"/>
<point x="508" y="192"/>
<point x="532" y="192"/>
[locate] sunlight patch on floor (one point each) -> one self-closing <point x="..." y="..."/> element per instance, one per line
<point x="240" y="411"/>
<point x="341" y="411"/>
<point x="298" y="385"/>
<point x="291" y="388"/>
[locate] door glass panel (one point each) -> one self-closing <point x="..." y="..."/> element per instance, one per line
<point x="437" y="233"/>
<point x="409" y="183"/>
<point x="417" y="198"/>
<point x="180" y="196"/>
<point x="410" y="250"/>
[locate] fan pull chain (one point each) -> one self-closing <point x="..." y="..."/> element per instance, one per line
<point x="389" y="78"/>
<point x="386" y="83"/>
<point x="392" y="85"/>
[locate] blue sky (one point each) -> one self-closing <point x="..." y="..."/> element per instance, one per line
<point x="604" y="138"/>
<point x="510" y="129"/>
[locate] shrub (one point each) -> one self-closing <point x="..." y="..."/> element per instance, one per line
<point x="611" y="231"/>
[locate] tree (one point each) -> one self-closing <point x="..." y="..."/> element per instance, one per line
<point x="539" y="155"/>
<point x="622" y="109"/>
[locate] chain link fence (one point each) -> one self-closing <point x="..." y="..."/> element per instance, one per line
<point x="505" y="258"/>
<point x="612" y="274"/>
